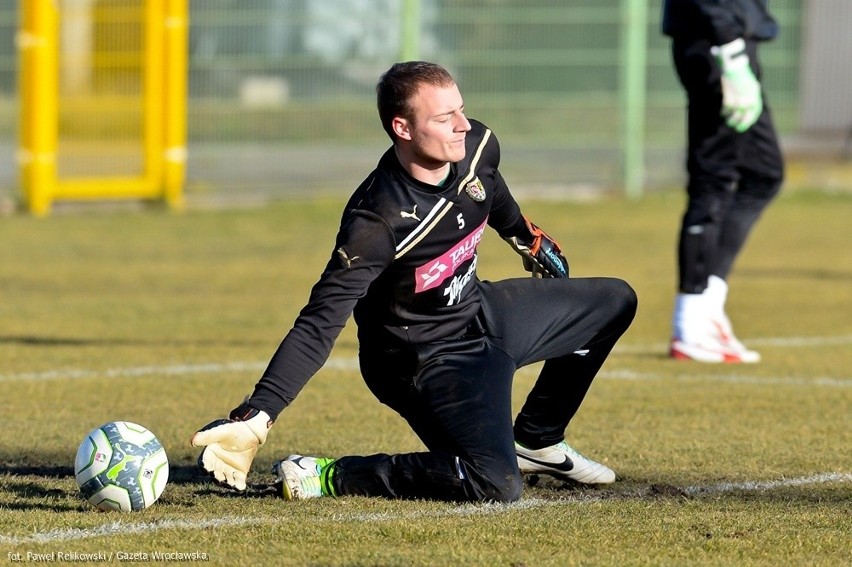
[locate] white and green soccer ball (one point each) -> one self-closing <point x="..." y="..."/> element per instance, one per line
<point x="121" y="466"/>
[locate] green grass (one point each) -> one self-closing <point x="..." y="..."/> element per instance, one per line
<point x="168" y="320"/>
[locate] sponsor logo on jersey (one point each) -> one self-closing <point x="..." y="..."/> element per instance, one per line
<point x="453" y="292"/>
<point x="433" y="274"/>
<point x="435" y="271"/>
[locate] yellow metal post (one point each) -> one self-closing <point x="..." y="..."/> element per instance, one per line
<point x="154" y="91"/>
<point x="175" y="109"/>
<point x="148" y="183"/>
<point x="37" y="41"/>
<point x="164" y="90"/>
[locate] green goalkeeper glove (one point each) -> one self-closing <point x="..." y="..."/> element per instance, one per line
<point x="231" y="444"/>
<point x="742" y="101"/>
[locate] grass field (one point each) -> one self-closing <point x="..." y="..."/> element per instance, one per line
<point x="168" y="321"/>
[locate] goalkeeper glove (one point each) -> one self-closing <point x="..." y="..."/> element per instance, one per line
<point x="231" y="444"/>
<point x="742" y="101"/>
<point x="541" y="254"/>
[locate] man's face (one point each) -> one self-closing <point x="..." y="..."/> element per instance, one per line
<point x="438" y="126"/>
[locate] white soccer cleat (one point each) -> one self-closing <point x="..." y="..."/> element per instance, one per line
<point x="709" y="351"/>
<point x="725" y="334"/>
<point x="717" y="345"/>
<point x="701" y="331"/>
<point x="563" y="462"/>
<point x="301" y="477"/>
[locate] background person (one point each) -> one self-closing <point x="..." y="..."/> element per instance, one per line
<point x="734" y="163"/>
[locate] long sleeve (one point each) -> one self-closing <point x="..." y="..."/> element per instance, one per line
<point x="364" y="248"/>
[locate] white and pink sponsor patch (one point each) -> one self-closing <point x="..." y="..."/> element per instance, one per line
<point x="434" y="272"/>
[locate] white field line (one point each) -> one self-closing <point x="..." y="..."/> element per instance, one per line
<point x="136" y="371"/>
<point x="121" y="528"/>
<point x="770" y="342"/>
<point x="352" y="364"/>
<point x="802" y="341"/>
<point x="628" y="375"/>
<point x="764" y="485"/>
<point x="340" y="363"/>
<point x="125" y="528"/>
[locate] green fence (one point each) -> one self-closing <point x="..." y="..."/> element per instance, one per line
<point x="282" y="91"/>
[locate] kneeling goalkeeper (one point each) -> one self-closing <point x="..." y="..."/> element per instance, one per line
<point x="437" y="345"/>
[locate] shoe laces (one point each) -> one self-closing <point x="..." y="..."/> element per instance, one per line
<point x="566" y="448"/>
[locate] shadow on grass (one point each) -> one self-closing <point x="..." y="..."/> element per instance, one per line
<point x="34" y="482"/>
<point x="786" y="273"/>
<point x="651" y="353"/>
<point x="32" y="485"/>
<point x="100" y="341"/>
<point x="178" y="474"/>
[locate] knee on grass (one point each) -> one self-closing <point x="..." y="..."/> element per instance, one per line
<point x="504" y="487"/>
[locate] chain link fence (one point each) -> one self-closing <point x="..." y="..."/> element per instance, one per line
<point x="281" y="92"/>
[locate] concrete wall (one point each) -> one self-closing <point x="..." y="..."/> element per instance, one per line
<point x="826" y="75"/>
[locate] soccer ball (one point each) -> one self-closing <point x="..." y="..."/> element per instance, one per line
<point x="121" y="466"/>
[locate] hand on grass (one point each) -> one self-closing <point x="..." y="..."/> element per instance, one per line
<point x="230" y="445"/>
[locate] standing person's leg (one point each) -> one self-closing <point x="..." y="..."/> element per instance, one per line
<point x="714" y="154"/>
<point x="762" y="172"/>
<point x="572" y="325"/>
<point x="761" y="175"/>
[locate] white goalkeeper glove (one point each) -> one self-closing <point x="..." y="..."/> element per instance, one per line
<point x="231" y="444"/>
<point x="742" y="100"/>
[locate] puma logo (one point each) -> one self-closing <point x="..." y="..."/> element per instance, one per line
<point x="345" y="257"/>
<point x="115" y="470"/>
<point x="411" y="215"/>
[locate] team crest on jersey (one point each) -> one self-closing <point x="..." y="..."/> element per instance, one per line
<point x="475" y="190"/>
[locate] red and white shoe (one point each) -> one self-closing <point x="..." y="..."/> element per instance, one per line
<point x="712" y="351"/>
<point x="703" y="332"/>
<point x="725" y="334"/>
<point x="718" y="345"/>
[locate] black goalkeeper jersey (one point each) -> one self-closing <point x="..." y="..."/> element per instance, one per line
<point x="404" y="262"/>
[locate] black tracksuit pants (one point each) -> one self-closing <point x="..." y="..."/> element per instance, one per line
<point x="732" y="176"/>
<point x="456" y="394"/>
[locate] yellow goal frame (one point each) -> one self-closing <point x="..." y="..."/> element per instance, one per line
<point x="163" y="108"/>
